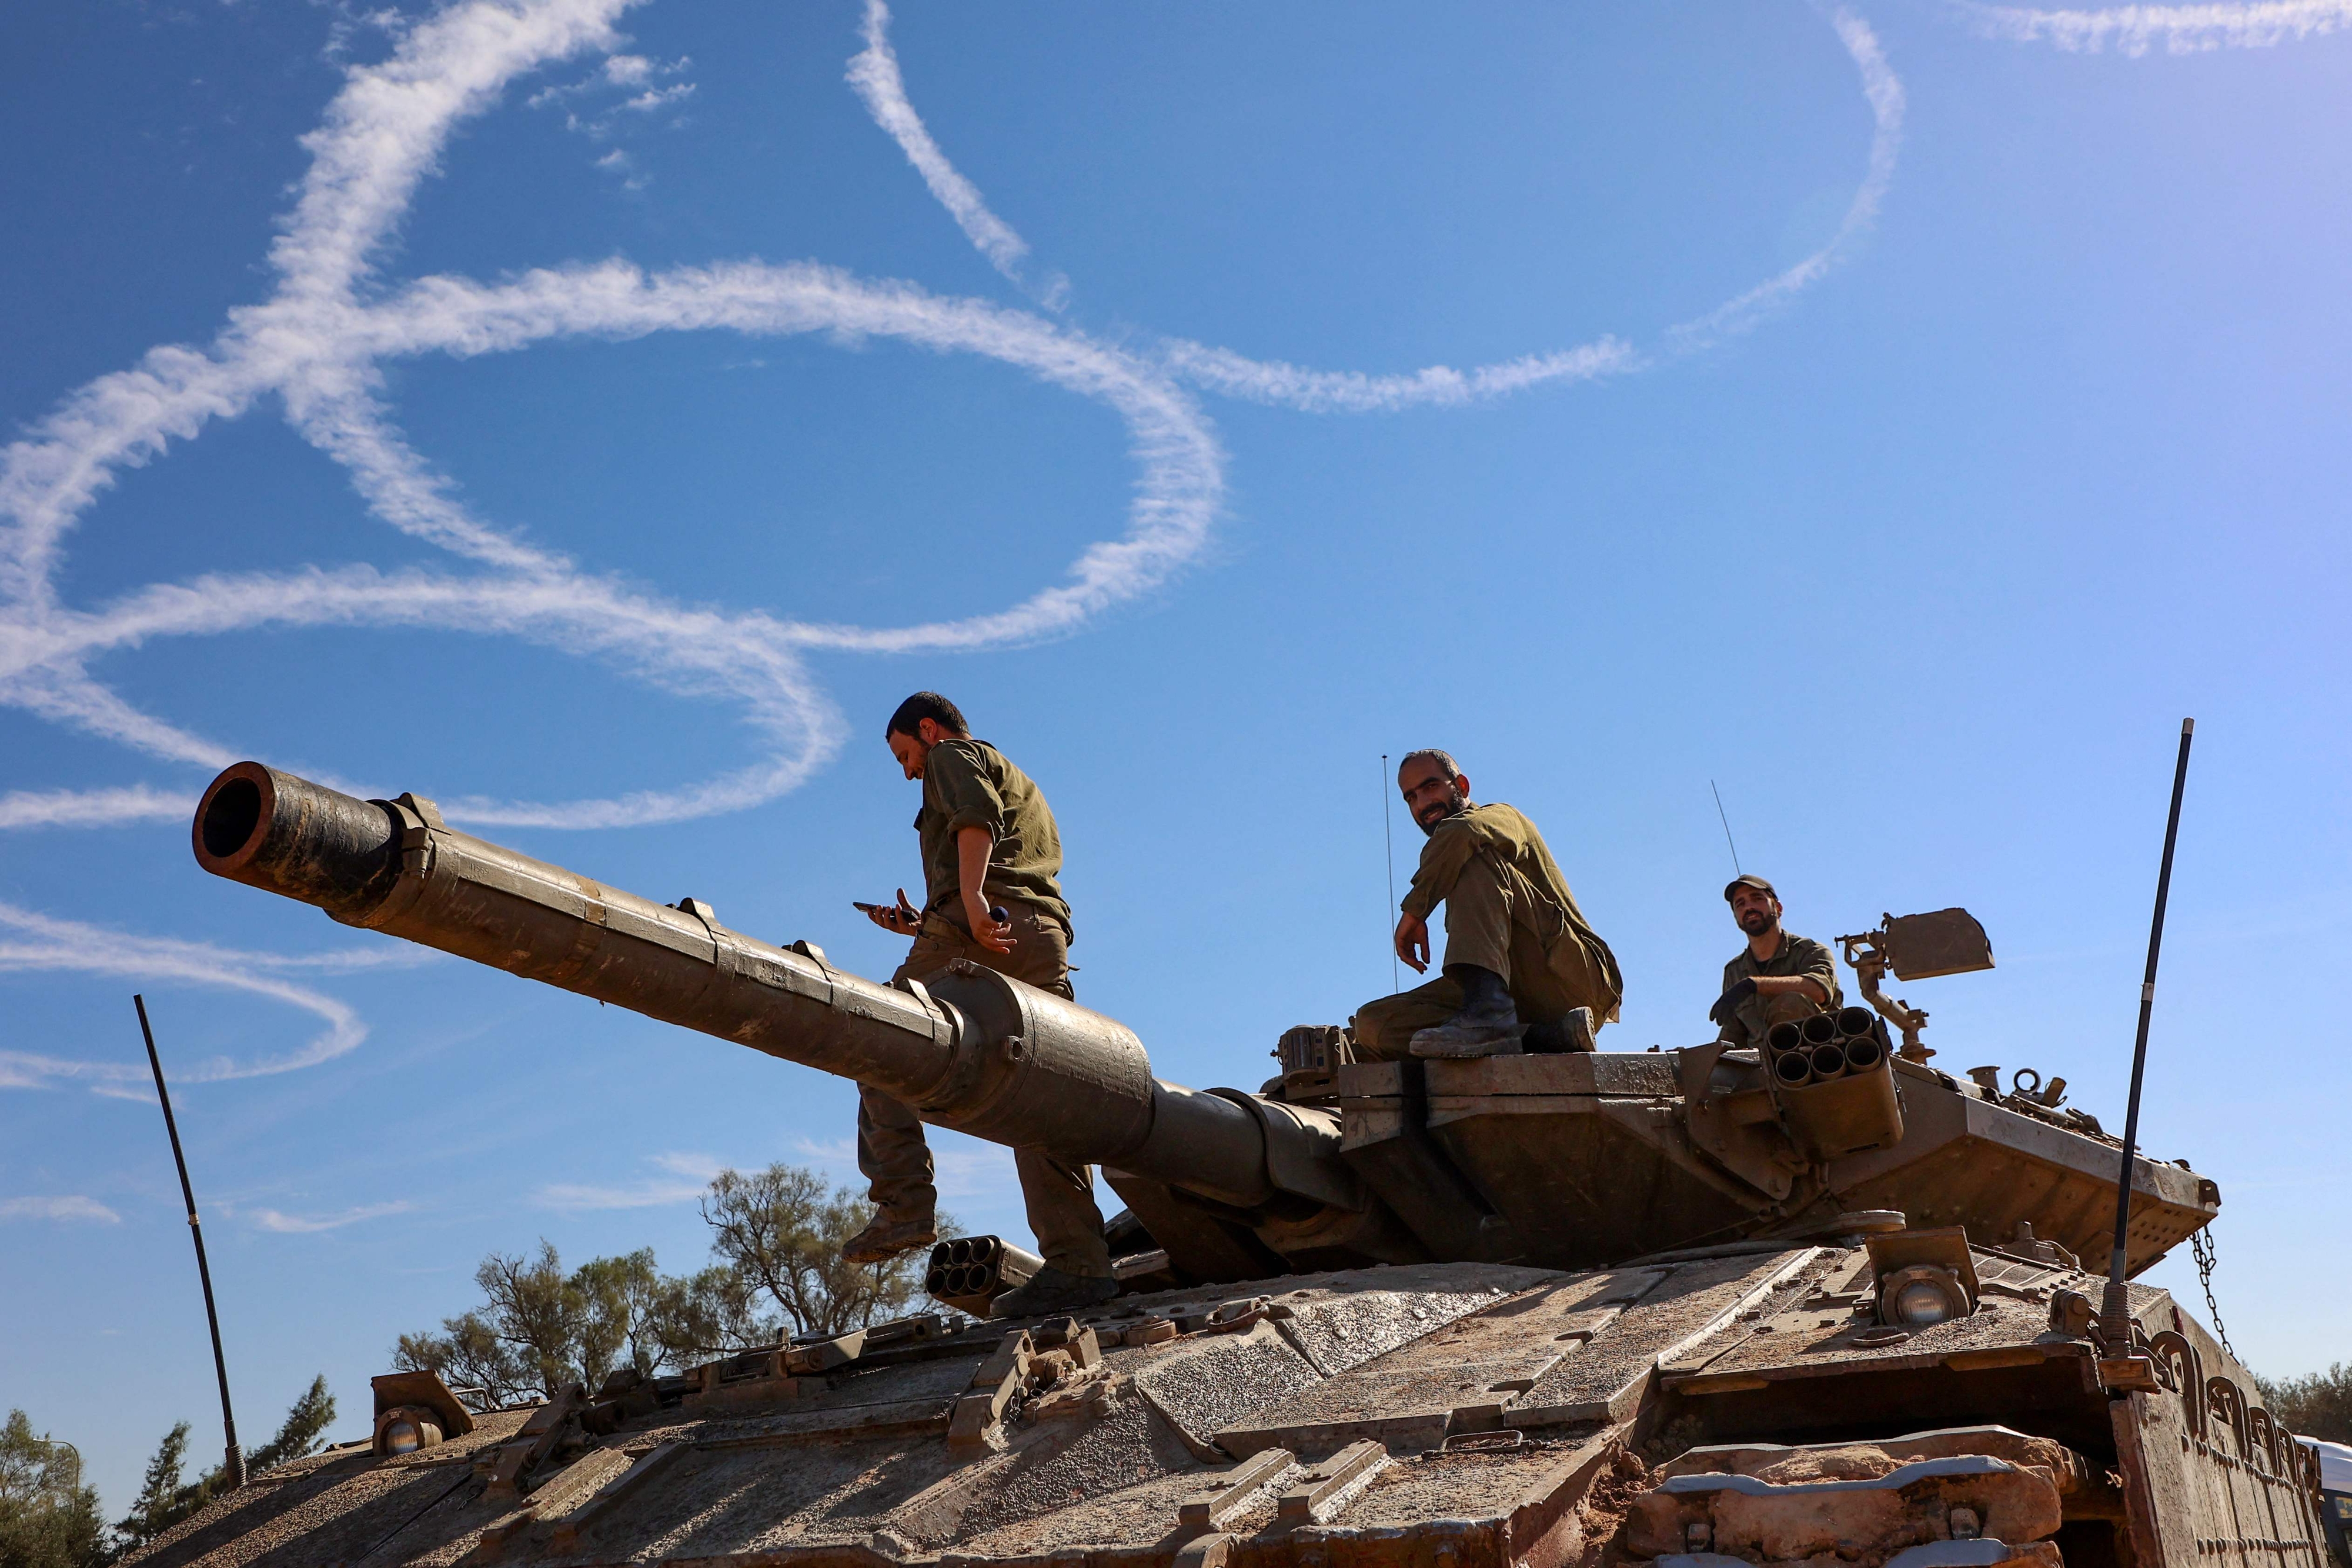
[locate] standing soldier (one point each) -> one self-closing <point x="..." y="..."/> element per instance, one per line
<point x="1779" y="978"/>
<point x="1520" y="961"/>
<point x="992" y="858"/>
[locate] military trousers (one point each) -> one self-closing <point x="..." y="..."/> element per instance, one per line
<point x="1497" y="920"/>
<point x="891" y="1151"/>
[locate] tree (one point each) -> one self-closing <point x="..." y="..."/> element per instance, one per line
<point x="776" y="1271"/>
<point x="48" y="1519"/>
<point x="540" y="1330"/>
<point x="304" y="1428"/>
<point x="2316" y="1405"/>
<point x="164" y="1500"/>
<point x="781" y="1230"/>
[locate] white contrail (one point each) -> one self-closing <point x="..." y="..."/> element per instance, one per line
<point x="317" y="345"/>
<point x="1884" y="91"/>
<point x="874" y="74"/>
<point x="2181" y="29"/>
<point x="42" y="942"/>
<point x="1354" y="391"/>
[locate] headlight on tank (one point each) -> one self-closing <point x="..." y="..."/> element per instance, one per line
<point x="1924" y="1277"/>
<point x="416" y="1410"/>
<point x="405" y="1430"/>
<point x="1914" y="1297"/>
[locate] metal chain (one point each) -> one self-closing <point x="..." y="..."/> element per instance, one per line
<point x="2201" y="1244"/>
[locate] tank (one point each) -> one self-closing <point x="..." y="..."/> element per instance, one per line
<point x="1817" y="1301"/>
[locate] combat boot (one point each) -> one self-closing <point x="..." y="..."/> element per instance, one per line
<point x="1051" y="1291"/>
<point x="1571" y="1033"/>
<point x="1487" y="1025"/>
<point x="886" y="1235"/>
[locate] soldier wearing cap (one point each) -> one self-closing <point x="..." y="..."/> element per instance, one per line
<point x="1779" y="978"/>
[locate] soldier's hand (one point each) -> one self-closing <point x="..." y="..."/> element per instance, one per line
<point x="905" y="919"/>
<point x="1413" y="943"/>
<point x="991" y="933"/>
<point x="1728" y="1003"/>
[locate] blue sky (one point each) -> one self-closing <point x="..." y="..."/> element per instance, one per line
<point x="597" y="417"/>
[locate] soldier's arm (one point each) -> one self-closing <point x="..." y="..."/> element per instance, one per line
<point x="973" y="847"/>
<point x="1816" y="976"/>
<point x="965" y="792"/>
<point x="1442" y="859"/>
<point x="1732" y="1032"/>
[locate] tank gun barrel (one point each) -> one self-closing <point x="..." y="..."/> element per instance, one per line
<point x="974" y="1050"/>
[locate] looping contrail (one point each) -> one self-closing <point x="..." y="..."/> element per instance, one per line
<point x="875" y="75"/>
<point x="318" y="343"/>
<point x="36" y="941"/>
<point x="316" y="346"/>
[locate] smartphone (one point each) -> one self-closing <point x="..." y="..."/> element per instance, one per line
<point x="869" y="908"/>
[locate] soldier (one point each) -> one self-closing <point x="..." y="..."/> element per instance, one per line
<point x="1778" y="978"/>
<point x="1520" y="961"/>
<point x="992" y="857"/>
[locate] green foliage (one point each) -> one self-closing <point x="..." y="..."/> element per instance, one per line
<point x="781" y="1231"/>
<point x="2316" y="1405"/>
<point x="48" y="1519"/>
<point x="304" y="1428"/>
<point x="165" y="1499"/>
<point x="775" y="1271"/>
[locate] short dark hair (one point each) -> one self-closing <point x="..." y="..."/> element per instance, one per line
<point x="1444" y="760"/>
<point x="923" y="706"/>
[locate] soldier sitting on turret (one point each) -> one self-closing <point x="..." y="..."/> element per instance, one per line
<point x="1779" y="978"/>
<point x="1521" y="966"/>
<point x="991" y="865"/>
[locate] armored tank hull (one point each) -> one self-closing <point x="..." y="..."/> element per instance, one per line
<point x="1749" y="1409"/>
<point x="1700" y="1309"/>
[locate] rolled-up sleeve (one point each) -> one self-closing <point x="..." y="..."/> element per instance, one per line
<point x="1815" y="962"/>
<point x="966" y="798"/>
<point x="1442" y="859"/>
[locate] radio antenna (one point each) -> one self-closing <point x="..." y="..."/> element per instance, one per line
<point x="1737" y="869"/>
<point x="2114" y="1307"/>
<point x="1388" y="854"/>
<point x="234" y="1467"/>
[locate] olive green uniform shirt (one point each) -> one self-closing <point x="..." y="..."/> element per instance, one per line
<point x="1504" y="835"/>
<point x="969" y="784"/>
<point x="1798" y="955"/>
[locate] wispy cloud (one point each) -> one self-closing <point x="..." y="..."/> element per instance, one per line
<point x="874" y="74"/>
<point x="684" y="1178"/>
<point x="32" y="941"/>
<point x="649" y="87"/>
<point x="305" y="1224"/>
<point x="72" y="1207"/>
<point x="2181" y="29"/>
<point x="316" y="345"/>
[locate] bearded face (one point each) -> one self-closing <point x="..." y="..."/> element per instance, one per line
<point x="1431" y="796"/>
